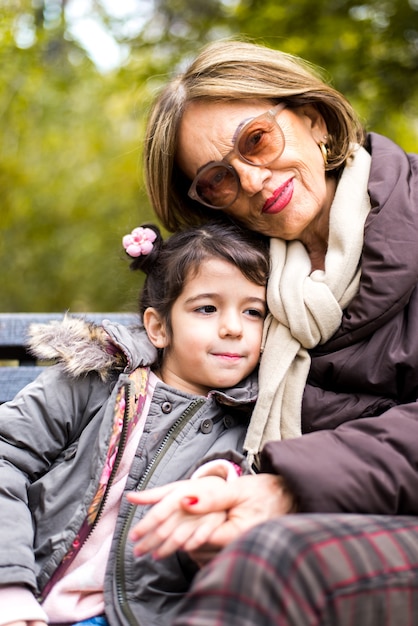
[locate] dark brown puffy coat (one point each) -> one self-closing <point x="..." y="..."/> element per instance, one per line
<point x="359" y="450"/>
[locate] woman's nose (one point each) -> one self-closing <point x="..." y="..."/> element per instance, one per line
<point x="252" y="178"/>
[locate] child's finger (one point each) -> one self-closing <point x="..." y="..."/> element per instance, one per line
<point x="166" y="538"/>
<point x="193" y="531"/>
<point x="160" y="513"/>
<point x="151" y="496"/>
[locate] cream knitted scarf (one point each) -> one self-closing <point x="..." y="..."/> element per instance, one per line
<point x="306" y="307"/>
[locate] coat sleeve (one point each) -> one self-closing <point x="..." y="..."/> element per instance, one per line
<point x="42" y="420"/>
<point x="369" y="465"/>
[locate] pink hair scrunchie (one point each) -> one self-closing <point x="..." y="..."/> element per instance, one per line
<point x="139" y="241"/>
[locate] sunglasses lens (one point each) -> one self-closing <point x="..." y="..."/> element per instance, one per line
<point x="217" y="186"/>
<point x="261" y="141"/>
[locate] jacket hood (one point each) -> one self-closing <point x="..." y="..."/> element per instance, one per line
<point x="82" y="346"/>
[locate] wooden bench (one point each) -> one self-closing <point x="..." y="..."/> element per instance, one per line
<point x="17" y="366"/>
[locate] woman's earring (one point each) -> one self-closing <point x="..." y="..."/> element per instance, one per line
<point x="324" y="152"/>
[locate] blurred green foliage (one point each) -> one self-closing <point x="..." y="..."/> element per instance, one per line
<point x="70" y="153"/>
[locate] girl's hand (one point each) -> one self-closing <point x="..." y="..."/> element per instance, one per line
<point x="169" y="526"/>
<point x="204" y="515"/>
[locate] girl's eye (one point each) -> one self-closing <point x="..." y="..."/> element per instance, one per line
<point x="206" y="308"/>
<point x="255" y="313"/>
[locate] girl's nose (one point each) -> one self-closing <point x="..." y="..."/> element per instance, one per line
<point x="230" y="325"/>
<point x="252" y="178"/>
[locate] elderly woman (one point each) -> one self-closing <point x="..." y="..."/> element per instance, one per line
<point x="330" y="534"/>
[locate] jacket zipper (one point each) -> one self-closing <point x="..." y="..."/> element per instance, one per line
<point x="170" y="436"/>
<point x="122" y="443"/>
<point x="121" y="449"/>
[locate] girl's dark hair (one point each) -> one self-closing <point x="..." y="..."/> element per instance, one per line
<point x="171" y="262"/>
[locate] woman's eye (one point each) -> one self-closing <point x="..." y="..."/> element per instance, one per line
<point x="254" y="142"/>
<point x="218" y="177"/>
<point x="255" y="138"/>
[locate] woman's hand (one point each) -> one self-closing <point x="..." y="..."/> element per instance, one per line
<point x="169" y="525"/>
<point x="202" y="516"/>
<point x="27" y="623"/>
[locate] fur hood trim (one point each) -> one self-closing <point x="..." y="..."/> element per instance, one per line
<point x="80" y="346"/>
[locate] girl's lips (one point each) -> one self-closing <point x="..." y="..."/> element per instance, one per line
<point x="228" y="356"/>
<point x="280" y="199"/>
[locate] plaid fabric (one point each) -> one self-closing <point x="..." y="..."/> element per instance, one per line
<point x="306" y="570"/>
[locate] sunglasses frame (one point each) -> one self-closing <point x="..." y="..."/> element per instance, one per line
<point x="192" y="193"/>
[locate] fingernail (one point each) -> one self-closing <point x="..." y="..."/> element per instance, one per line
<point x="190" y="500"/>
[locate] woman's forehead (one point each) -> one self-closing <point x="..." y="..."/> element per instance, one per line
<point x="225" y="112"/>
<point x="208" y="128"/>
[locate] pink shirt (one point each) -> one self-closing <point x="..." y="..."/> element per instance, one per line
<point x="78" y="595"/>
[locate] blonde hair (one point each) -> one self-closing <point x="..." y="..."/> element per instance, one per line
<point x="235" y="70"/>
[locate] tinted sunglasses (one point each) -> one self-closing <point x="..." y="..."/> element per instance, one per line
<point x="259" y="142"/>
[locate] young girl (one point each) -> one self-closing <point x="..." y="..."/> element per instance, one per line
<point x="100" y="424"/>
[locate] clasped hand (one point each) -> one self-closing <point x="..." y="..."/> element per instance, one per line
<point x="26" y="623"/>
<point x="201" y="516"/>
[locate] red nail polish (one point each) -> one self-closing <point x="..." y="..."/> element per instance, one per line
<point x="190" y="500"/>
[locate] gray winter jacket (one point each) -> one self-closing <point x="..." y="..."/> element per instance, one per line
<point x="53" y="443"/>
